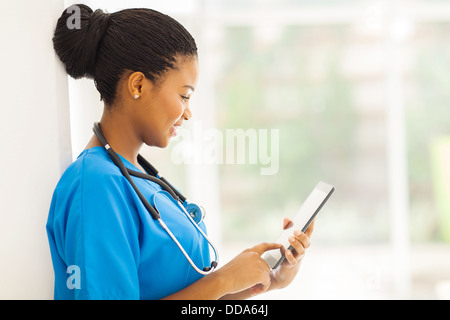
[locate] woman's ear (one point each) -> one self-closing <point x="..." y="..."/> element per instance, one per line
<point x="135" y="83"/>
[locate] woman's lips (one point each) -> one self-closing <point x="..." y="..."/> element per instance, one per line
<point x="173" y="129"/>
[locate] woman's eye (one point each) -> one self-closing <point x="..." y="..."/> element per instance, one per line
<point x="184" y="98"/>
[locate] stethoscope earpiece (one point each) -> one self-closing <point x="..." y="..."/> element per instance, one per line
<point x="213" y="266"/>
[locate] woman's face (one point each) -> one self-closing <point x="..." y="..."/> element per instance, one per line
<point x="163" y="108"/>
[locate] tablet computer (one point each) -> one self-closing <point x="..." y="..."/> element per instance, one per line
<point x="305" y="215"/>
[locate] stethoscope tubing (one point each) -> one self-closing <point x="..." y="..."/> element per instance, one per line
<point x="153" y="211"/>
<point x="216" y="253"/>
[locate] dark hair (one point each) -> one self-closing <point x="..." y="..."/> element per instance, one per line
<point x="103" y="46"/>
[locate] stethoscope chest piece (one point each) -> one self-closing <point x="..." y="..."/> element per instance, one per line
<point x="196" y="212"/>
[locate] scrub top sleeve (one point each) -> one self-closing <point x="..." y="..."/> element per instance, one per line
<point x="102" y="240"/>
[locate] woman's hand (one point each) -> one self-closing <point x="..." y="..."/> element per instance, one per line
<point x="248" y="270"/>
<point x="248" y="274"/>
<point x="242" y="277"/>
<point x="286" y="272"/>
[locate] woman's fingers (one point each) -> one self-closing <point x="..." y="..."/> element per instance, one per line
<point x="265" y="246"/>
<point x="300" y="242"/>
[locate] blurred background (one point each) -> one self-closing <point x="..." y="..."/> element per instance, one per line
<point x="360" y="95"/>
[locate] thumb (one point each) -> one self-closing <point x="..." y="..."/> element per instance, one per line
<point x="287" y="223"/>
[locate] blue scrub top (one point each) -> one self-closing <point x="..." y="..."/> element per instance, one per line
<point x="105" y="245"/>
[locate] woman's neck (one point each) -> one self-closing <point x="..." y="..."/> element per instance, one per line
<point x="120" y="136"/>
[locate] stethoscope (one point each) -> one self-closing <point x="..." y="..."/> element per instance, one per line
<point x="192" y="211"/>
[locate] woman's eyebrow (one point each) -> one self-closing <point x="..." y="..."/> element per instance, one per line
<point x="190" y="87"/>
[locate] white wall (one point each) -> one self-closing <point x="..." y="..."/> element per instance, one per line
<point x="36" y="127"/>
<point x="35" y="144"/>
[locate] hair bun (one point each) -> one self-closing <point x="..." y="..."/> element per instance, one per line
<point x="78" y="34"/>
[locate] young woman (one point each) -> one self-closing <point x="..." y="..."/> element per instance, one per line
<point x="103" y="239"/>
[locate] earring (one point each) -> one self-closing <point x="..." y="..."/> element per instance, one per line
<point x="136" y="96"/>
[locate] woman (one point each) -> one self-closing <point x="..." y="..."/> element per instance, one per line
<point x="103" y="241"/>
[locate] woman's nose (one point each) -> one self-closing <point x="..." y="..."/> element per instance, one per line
<point x="187" y="113"/>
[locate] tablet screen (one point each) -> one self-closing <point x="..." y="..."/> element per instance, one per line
<point x="305" y="215"/>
